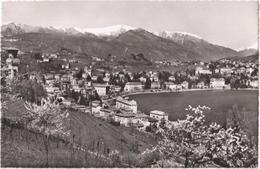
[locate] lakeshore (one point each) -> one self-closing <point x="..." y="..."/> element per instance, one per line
<point x="220" y="101"/>
<point x="183" y="90"/>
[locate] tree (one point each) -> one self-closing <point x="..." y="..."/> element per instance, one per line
<point x="29" y="90"/>
<point x="200" y="144"/>
<point x="147" y="83"/>
<point x="79" y="74"/>
<point x="100" y="79"/>
<point x="88" y="78"/>
<point x="255" y="72"/>
<point x="162" y="123"/>
<point x="48" y="119"/>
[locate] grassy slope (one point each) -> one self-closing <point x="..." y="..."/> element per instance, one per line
<point x="24" y="148"/>
<point x="90" y="131"/>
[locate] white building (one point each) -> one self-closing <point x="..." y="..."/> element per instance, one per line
<point x="133" y="86"/>
<point x="185" y="85"/>
<point x="142" y="79"/>
<point x="201" y="70"/>
<point x="105" y="113"/>
<point x="158" y="115"/>
<point x="171" y="85"/>
<point x="226" y="70"/>
<point x="46" y="60"/>
<point x="125" y="119"/>
<point x="126" y="104"/>
<point x="141" y="119"/>
<point x="52" y="89"/>
<point x="217" y="83"/>
<point x="155" y="85"/>
<point x="171" y="78"/>
<point x="57" y="76"/>
<point x="201" y="85"/>
<point x="249" y="70"/>
<point x="254" y="83"/>
<point x="101" y="89"/>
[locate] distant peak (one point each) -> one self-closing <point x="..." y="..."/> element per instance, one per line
<point x="253" y="46"/>
<point x="110" y="30"/>
<point x="189" y="34"/>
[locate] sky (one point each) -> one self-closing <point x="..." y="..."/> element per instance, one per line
<point x="230" y="24"/>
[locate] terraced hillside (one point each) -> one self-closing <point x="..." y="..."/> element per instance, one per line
<point x="96" y="135"/>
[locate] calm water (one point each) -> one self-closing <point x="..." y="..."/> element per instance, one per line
<point x="219" y="102"/>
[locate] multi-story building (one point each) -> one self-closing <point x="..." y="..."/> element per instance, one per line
<point x="254" y="83"/>
<point x="102" y="89"/>
<point x="155" y="85"/>
<point x="226" y="70"/>
<point x="201" y="70"/>
<point x="12" y="63"/>
<point x="185" y="85"/>
<point x="170" y="85"/>
<point x="133" y="86"/>
<point x="126" y="104"/>
<point x="217" y="83"/>
<point x="125" y="119"/>
<point x="158" y="115"/>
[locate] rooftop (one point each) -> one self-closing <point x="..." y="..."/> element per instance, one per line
<point x="157" y="112"/>
<point x="126" y="115"/>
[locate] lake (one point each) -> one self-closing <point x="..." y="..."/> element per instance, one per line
<point x="219" y="101"/>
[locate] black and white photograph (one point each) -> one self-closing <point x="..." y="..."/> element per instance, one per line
<point x="129" y="84"/>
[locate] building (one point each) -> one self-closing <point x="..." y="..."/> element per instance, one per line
<point x="201" y="85"/>
<point x="125" y="119"/>
<point x="254" y="83"/>
<point x="249" y="70"/>
<point x="94" y="78"/>
<point x="46" y="59"/>
<point x="64" y="78"/>
<point x="133" y="86"/>
<point x="170" y="85"/>
<point x="105" y="113"/>
<point x="126" y="104"/>
<point x="142" y="79"/>
<point x="201" y="70"/>
<point x="217" y="83"/>
<point x="49" y="76"/>
<point x="88" y="70"/>
<point x="57" y="76"/>
<point x="158" y="115"/>
<point x="226" y="70"/>
<point x="141" y="121"/>
<point x="102" y="89"/>
<point x="49" y="82"/>
<point x="155" y="85"/>
<point x="52" y="89"/>
<point x="172" y="78"/>
<point x="185" y="85"/>
<point x="12" y="63"/>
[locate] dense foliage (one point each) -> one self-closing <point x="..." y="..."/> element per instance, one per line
<point x="48" y="119"/>
<point x="29" y="90"/>
<point x="200" y="144"/>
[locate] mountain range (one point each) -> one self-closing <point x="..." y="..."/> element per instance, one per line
<point x="118" y="40"/>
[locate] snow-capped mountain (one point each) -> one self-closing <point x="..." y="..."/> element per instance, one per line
<point x="179" y="37"/>
<point x="251" y="50"/>
<point x="114" y="39"/>
<point x="114" y="30"/>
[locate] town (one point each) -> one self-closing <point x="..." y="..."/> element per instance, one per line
<point x="104" y="94"/>
<point x="127" y="84"/>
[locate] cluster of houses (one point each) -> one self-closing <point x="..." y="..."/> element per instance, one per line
<point x="10" y="70"/>
<point x="125" y="113"/>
